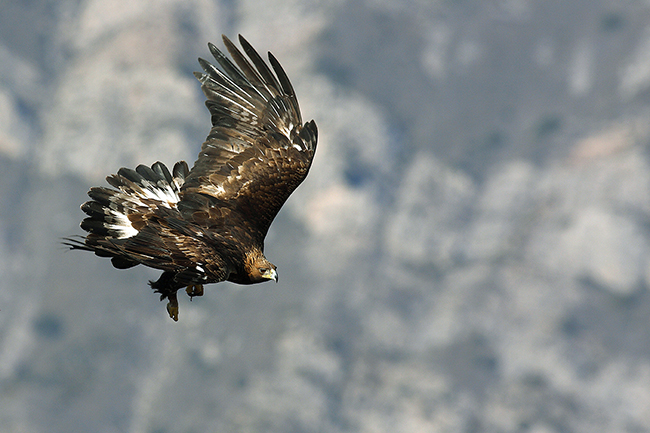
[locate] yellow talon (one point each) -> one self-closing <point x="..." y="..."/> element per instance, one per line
<point x="172" y="307"/>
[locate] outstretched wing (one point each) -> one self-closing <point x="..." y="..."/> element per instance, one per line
<point x="258" y="150"/>
<point x="138" y="222"/>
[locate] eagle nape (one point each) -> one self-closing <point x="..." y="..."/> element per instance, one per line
<point x="207" y="224"/>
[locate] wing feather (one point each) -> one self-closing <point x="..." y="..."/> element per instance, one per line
<point x="232" y="73"/>
<point x="258" y="150"/>
<point x="262" y="78"/>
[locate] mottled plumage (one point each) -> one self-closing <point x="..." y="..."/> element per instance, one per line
<point x="208" y="224"/>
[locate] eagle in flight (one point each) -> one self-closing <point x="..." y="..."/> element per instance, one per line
<point x="208" y="224"/>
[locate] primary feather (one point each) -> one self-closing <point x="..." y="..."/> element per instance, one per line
<point x="208" y="224"/>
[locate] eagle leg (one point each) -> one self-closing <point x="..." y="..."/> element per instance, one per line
<point x="194" y="290"/>
<point x="165" y="286"/>
<point x="172" y="306"/>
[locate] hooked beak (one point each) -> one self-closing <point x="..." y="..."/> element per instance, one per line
<point x="271" y="274"/>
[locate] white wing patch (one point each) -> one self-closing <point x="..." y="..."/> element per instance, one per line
<point x="140" y="198"/>
<point x="122" y="226"/>
<point x="166" y="195"/>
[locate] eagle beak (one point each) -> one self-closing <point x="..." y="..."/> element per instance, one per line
<point x="274" y="275"/>
<point x="271" y="274"/>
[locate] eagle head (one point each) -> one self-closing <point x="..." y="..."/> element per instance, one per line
<point x="259" y="269"/>
<point x="269" y="273"/>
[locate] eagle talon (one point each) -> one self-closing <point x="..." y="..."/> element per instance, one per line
<point x="194" y="290"/>
<point x="172" y="307"/>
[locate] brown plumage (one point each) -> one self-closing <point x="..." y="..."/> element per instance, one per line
<point x="208" y="224"/>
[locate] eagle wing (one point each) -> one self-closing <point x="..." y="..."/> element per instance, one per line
<point x="139" y="222"/>
<point x="258" y="150"/>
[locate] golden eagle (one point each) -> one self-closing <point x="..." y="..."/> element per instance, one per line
<point x="208" y="224"/>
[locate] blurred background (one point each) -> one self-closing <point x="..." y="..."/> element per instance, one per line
<point x="470" y="252"/>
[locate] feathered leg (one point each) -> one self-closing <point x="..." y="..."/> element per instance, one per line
<point x="194" y="290"/>
<point x="167" y="288"/>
